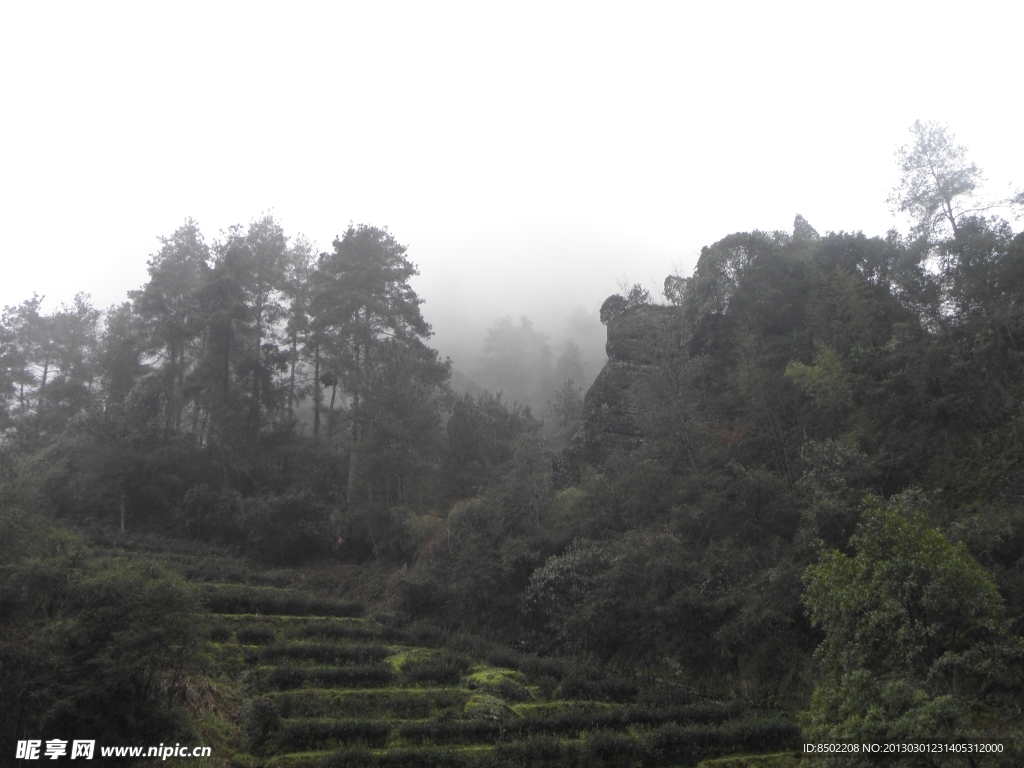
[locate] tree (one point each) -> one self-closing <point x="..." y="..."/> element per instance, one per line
<point x="69" y="343"/>
<point x="19" y="339"/>
<point x="121" y="352"/>
<point x="616" y="304"/>
<point x="169" y="306"/>
<point x="937" y="181"/>
<point x="259" y="260"/>
<point x="93" y="648"/>
<point x="674" y="289"/>
<point x="916" y="641"/>
<point x="400" y="419"/>
<point x="482" y="434"/>
<point x="565" y="411"/>
<point x="517" y="360"/>
<point x="299" y="290"/>
<point x="362" y="298"/>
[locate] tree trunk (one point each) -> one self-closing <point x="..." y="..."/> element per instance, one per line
<point x="226" y="366"/>
<point x="354" y="454"/>
<point x="291" y="378"/>
<point x="254" y="403"/>
<point x="172" y="395"/>
<point x="42" y="397"/>
<point x="179" y="404"/>
<point x="316" y="391"/>
<point x="330" y="418"/>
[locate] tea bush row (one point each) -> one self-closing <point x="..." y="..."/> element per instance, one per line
<point x="568" y="677"/>
<point x="244" y="599"/>
<point x="666" y="745"/>
<point x="396" y="704"/>
<point x="289" y="677"/>
<point x="571" y="722"/>
<point x="314" y="734"/>
<point x="444" y="669"/>
<point x="575" y="720"/>
<point x="325" y="653"/>
<point x="339" y="631"/>
<point x="255" y="635"/>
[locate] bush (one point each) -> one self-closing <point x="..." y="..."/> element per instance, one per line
<point x="255" y="635"/>
<point x="286" y="529"/>
<point x="339" y="631"/>
<point x="609" y="688"/>
<point x="85" y="646"/>
<point x="442" y="731"/>
<point x="445" y="669"/>
<point x="259" y="719"/>
<point x="404" y="704"/>
<point x="300" y="735"/>
<point x="289" y="677"/>
<point x="220" y="598"/>
<point x="220" y="633"/>
<point x="326" y="653"/>
<point x="429" y="757"/>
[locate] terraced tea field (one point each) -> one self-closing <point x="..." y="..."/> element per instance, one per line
<point x="318" y="684"/>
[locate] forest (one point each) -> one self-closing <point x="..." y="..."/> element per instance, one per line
<point x="819" y="516"/>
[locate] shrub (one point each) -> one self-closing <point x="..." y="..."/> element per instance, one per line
<point x="339" y="630"/>
<point x="403" y="704"/>
<point x="255" y="635"/>
<point x="326" y="653"/>
<point x="609" y="688"/>
<point x="219" y="633"/>
<point x="445" y="669"/>
<point x="283" y="678"/>
<point x="220" y="598"/>
<point x="429" y="757"/>
<point x="299" y="735"/>
<point x="259" y="720"/>
<point x="441" y="731"/>
<point x="86" y="644"/>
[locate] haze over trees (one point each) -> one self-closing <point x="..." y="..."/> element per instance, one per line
<point x="825" y="510"/>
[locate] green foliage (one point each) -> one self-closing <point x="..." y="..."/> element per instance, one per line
<point x="299" y="735"/>
<point x="93" y="649"/>
<point x="482" y="434"/>
<point x="915" y="635"/>
<point x="256" y="398"/>
<point x="666" y="744"/>
<point x="565" y="410"/>
<point x="235" y="598"/>
<point x="286" y="529"/>
<point x="325" y="653"/>
<point x="518" y="362"/>
<point x="221" y="634"/>
<point x="338" y="631"/>
<point x="936" y="180"/>
<point x="826" y="380"/>
<point x="287" y="677"/>
<point x="616" y="304"/>
<point x="260" y="720"/>
<point x="442" y="669"/>
<point x="404" y="704"/>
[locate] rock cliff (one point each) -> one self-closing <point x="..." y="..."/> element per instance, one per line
<point x="612" y="407"/>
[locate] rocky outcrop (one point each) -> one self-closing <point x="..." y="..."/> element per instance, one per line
<point x="612" y="407"/>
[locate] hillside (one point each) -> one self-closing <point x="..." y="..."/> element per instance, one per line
<point x="250" y="501"/>
<point x="292" y="677"/>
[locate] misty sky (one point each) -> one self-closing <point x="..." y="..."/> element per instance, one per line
<point x="530" y="155"/>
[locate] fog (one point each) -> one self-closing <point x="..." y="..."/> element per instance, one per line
<point x="532" y="157"/>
